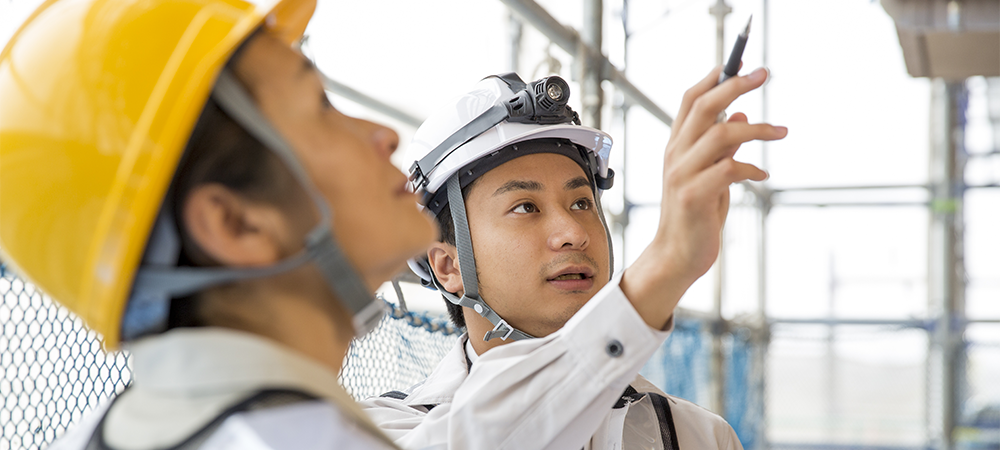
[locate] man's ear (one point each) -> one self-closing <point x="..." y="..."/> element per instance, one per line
<point x="231" y="230"/>
<point x="444" y="260"/>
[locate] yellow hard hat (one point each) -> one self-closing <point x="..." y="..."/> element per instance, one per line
<point x="99" y="98"/>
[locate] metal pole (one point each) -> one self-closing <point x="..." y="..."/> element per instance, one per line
<point x="363" y="99"/>
<point x="717" y="365"/>
<point x="516" y="30"/>
<point x="569" y="40"/>
<point x="720" y="10"/>
<point x="764" y="209"/>
<point x="590" y="64"/>
<point x="946" y="281"/>
<point x="621" y="219"/>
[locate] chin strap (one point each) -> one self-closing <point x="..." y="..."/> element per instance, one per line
<point x="467" y="262"/>
<point x="158" y="280"/>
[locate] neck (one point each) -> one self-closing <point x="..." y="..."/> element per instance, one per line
<point x="293" y="312"/>
<point x="476" y="334"/>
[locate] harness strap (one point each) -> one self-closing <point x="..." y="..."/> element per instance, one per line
<point x="661" y="404"/>
<point x="667" y="431"/>
<point x="263" y="399"/>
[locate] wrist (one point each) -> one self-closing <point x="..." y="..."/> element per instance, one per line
<point x="654" y="285"/>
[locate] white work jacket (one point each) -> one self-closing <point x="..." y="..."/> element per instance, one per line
<point x="555" y="392"/>
<point x="185" y="378"/>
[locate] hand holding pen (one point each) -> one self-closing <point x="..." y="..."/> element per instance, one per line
<point x="698" y="168"/>
<point x="732" y="66"/>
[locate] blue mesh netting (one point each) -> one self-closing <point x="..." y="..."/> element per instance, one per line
<point x="681" y="368"/>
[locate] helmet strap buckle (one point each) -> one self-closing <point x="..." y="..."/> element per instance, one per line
<point x="497" y="329"/>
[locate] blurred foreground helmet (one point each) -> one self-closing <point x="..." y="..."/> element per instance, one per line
<point x="99" y="99"/>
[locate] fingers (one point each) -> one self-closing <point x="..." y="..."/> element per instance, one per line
<point x="726" y="172"/>
<point x="736" y="117"/>
<point x="722" y="141"/>
<point x="706" y="104"/>
<point x="693" y="93"/>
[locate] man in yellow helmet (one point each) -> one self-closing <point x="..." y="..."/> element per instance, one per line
<point x="170" y="171"/>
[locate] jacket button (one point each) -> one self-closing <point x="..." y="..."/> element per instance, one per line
<point x="614" y="348"/>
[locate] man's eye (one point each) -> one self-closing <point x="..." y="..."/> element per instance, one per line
<point x="525" y="208"/>
<point x="583" y="203"/>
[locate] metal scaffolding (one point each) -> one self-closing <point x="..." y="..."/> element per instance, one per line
<point x="943" y="196"/>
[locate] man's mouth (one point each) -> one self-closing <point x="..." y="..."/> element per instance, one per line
<point x="570" y="276"/>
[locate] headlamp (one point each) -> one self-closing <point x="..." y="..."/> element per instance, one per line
<point x="540" y="102"/>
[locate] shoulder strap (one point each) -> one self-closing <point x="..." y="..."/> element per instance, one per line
<point x="398" y="395"/>
<point x="667" y="431"/>
<point x="263" y="399"/>
<point x="661" y="404"/>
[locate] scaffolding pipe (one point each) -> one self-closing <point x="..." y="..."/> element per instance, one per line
<point x="592" y="95"/>
<point x="717" y="363"/>
<point x="946" y="271"/>
<point x="764" y="202"/>
<point x="569" y="40"/>
<point x="365" y="100"/>
<point x="515" y="31"/>
<point x="830" y="321"/>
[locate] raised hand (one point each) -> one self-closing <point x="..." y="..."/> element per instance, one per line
<point x="698" y="168"/>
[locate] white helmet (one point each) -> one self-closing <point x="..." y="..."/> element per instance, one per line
<point x="501" y="119"/>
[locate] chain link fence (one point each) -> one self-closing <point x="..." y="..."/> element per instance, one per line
<point x="53" y="370"/>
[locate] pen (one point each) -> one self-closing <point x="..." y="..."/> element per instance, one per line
<point x="733" y="65"/>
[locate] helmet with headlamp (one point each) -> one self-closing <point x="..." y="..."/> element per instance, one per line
<point x="501" y="119"/>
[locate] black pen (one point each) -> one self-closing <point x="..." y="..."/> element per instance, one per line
<point x="733" y="65"/>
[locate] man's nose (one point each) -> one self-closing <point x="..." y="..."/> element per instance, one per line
<point x="567" y="232"/>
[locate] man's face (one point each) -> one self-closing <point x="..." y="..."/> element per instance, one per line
<point x="540" y="246"/>
<point x="375" y="219"/>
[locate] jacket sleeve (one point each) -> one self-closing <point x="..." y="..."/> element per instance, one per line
<point x="545" y="393"/>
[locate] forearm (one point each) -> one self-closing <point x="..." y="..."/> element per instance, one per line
<point x="654" y="287"/>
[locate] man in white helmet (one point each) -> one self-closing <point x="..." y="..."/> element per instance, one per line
<point x="555" y="339"/>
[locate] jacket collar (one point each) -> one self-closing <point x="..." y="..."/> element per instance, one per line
<point x="441" y="384"/>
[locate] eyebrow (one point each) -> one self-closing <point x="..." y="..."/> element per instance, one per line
<point x="518" y="185"/>
<point x="523" y="185"/>
<point x="576" y="183"/>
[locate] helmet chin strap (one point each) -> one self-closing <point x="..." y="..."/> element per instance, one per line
<point x="160" y="281"/>
<point x="467" y="262"/>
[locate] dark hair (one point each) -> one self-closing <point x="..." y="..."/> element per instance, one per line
<point x="221" y="151"/>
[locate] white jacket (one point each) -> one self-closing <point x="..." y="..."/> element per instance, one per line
<point x="555" y="392"/>
<point x="186" y="377"/>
